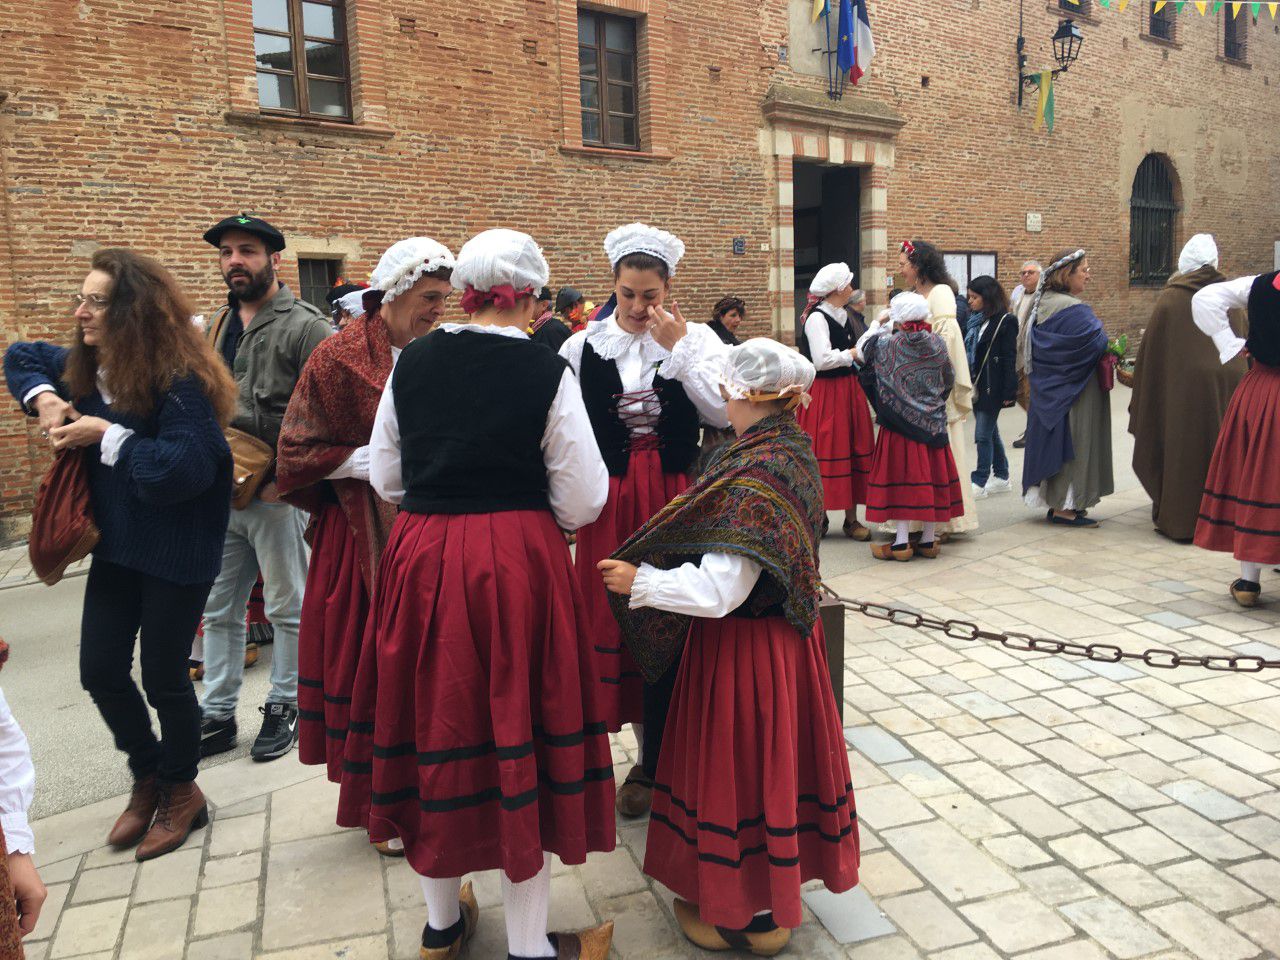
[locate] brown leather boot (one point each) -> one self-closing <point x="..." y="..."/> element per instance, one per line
<point x="181" y="809"/>
<point x="635" y="796"/>
<point x="136" y="819"/>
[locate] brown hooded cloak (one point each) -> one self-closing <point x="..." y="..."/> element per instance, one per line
<point x="1180" y="393"/>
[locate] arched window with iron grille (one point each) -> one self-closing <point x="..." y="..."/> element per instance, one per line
<point x="1153" y="211"/>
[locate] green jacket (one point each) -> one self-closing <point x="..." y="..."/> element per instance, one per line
<point x="269" y="359"/>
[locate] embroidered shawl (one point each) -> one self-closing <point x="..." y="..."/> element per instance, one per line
<point x="907" y="375"/>
<point x="330" y="414"/>
<point x="760" y="498"/>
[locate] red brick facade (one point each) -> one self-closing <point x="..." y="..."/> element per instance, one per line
<point x="137" y="122"/>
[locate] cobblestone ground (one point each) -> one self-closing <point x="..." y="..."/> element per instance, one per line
<point x="1011" y="805"/>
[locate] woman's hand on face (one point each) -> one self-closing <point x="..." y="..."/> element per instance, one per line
<point x="618" y="576"/>
<point x="52" y="410"/>
<point x="81" y="432"/>
<point x="668" y="329"/>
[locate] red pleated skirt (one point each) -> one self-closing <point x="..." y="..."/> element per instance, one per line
<point x="839" y="422"/>
<point x="912" y="481"/>
<point x="633" y="498"/>
<point x="1240" y="510"/>
<point x="753" y="795"/>
<point x="334" y="610"/>
<point x="485" y="740"/>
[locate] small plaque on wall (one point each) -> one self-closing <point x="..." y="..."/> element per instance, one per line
<point x="1035" y="222"/>
<point x="739" y="246"/>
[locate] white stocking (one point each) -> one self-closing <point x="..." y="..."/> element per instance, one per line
<point x="638" y="730"/>
<point x="903" y="534"/>
<point x="927" y="531"/>
<point x="526" y="905"/>
<point x="1250" y="571"/>
<point x="443" y="909"/>
<point x="197" y="648"/>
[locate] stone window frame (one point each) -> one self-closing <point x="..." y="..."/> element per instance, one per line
<point x="653" y="99"/>
<point x="366" y="71"/>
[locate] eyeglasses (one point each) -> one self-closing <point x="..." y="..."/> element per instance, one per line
<point x="94" y="302"/>
<point x="1029" y="273"/>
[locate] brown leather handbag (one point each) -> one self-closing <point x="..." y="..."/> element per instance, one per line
<point x="63" y="531"/>
<point x="253" y="463"/>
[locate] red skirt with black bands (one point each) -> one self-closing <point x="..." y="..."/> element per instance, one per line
<point x="633" y="498"/>
<point x="334" y="610"/>
<point x="1240" y="509"/>
<point x="484" y="739"/>
<point x="911" y="481"/>
<point x="839" y="421"/>
<point x="753" y="795"/>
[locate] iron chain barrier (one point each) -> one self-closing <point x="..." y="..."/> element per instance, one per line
<point x="1025" y="643"/>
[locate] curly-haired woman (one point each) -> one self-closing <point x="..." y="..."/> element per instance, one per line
<point x="147" y="396"/>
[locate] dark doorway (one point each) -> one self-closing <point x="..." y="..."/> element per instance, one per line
<point x="825" y="202"/>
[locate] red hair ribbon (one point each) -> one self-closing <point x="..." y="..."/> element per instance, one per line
<point x="908" y="248"/>
<point x="503" y="296"/>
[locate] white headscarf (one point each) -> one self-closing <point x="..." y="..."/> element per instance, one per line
<point x="765" y="369"/>
<point x="1200" y="251"/>
<point x="642" y="238"/>
<point x="499" y="258"/>
<point x="353" y="303"/>
<point x="830" y="279"/>
<point x="405" y="263"/>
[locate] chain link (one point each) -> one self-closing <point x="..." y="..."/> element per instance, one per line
<point x="1025" y="643"/>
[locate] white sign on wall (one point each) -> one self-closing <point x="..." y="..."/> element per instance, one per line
<point x="1035" y="222"/>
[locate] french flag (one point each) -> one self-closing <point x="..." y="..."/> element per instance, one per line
<point x="856" y="47"/>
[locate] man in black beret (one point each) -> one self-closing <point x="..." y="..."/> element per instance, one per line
<point x="265" y="334"/>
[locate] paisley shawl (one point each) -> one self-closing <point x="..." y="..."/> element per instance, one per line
<point x="760" y="498"/>
<point x="330" y="414"/>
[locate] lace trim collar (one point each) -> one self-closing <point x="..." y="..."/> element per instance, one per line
<point x="610" y="341"/>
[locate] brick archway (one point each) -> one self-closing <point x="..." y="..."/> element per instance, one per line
<point x="855" y="131"/>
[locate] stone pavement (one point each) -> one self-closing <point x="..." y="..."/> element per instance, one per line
<point x="1012" y="805"/>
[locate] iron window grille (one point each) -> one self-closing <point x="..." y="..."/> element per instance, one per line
<point x="1162" y="25"/>
<point x="1234" y="36"/>
<point x="300" y="51"/>
<point x="1153" y="214"/>
<point x="315" y="279"/>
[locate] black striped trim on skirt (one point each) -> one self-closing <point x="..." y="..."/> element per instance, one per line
<point x="427" y="758"/>
<point x="775" y="861"/>
<point x="494" y="794"/>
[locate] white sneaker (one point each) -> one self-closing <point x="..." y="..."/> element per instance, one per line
<point x="979" y="493"/>
<point x="996" y="485"/>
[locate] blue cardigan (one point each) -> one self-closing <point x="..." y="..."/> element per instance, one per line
<point x="163" y="508"/>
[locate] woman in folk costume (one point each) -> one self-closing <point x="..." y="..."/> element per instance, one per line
<point x="726" y="317"/>
<point x="489" y="747"/>
<point x="753" y="795"/>
<point x="1240" y="512"/>
<point x="323" y="467"/>
<point x="1067" y="467"/>
<point x="648" y="388"/>
<point x="907" y="373"/>
<point x="838" y="420"/>
<point x="924" y="270"/>
<point x="1180" y="394"/>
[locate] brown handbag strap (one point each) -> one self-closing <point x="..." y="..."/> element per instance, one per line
<point x="219" y="321"/>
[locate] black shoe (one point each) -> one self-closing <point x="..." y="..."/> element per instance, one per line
<point x="279" y="731"/>
<point x="217" y="736"/>
<point x="1020" y="442"/>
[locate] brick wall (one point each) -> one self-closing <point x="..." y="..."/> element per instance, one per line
<point x="135" y="122"/>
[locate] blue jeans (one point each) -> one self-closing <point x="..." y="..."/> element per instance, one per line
<point x="990" y="448"/>
<point x="266" y="537"/>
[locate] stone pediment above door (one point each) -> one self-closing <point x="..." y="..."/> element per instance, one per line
<point x="796" y="107"/>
